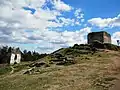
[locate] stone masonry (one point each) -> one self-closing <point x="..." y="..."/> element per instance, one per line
<point x="102" y="37"/>
<point x="15" y="56"/>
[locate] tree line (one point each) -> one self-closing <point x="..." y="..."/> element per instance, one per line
<point x="5" y="53"/>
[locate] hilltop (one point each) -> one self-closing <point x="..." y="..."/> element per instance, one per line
<point x="81" y="67"/>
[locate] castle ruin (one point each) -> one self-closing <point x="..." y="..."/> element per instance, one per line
<point x="102" y="37"/>
<point x="15" y="56"/>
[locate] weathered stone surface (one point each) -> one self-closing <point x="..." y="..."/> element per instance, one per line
<point x="102" y="37"/>
<point x="15" y="56"/>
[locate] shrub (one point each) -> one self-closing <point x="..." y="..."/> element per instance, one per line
<point x="111" y="47"/>
<point x="76" y="46"/>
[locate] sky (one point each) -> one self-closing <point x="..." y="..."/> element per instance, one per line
<point x="47" y="25"/>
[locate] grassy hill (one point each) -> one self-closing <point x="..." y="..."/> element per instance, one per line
<point x="80" y="67"/>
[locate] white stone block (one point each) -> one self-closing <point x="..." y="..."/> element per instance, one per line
<point x="12" y="61"/>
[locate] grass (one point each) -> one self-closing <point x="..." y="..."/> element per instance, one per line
<point x="19" y="67"/>
<point x="5" y="70"/>
<point x="91" y="72"/>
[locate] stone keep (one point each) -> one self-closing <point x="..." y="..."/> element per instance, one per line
<point x="102" y="36"/>
<point x="15" y="56"/>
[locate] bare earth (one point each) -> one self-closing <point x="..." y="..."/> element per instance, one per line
<point x="117" y="83"/>
<point x="116" y="86"/>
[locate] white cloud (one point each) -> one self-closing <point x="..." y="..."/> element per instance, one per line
<point x="19" y="26"/>
<point x="54" y="40"/>
<point x="82" y="20"/>
<point x="115" y="37"/>
<point x="106" y="22"/>
<point x="3" y="24"/>
<point x="77" y="23"/>
<point x="30" y="3"/>
<point x="76" y="37"/>
<point x="60" y="5"/>
<point x="78" y="13"/>
<point x="66" y="21"/>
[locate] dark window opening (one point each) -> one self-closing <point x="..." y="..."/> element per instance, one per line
<point x="15" y="57"/>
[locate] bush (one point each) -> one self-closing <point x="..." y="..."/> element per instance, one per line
<point x="67" y="51"/>
<point x="81" y="47"/>
<point x="76" y="46"/>
<point x="111" y="47"/>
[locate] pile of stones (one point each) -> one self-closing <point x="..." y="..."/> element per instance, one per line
<point x="59" y="59"/>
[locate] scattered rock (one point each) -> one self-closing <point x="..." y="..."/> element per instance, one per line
<point x="63" y="61"/>
<point x="29" y="71"/>
<point x="39" y="64"/>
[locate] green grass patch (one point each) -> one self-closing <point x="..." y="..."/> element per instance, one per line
<point x="5" y="70"/>
<point x="18" y="68"/>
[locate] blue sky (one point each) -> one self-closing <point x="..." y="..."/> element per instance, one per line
<point x="47" y="25"/>
<point x="97" y="8"/>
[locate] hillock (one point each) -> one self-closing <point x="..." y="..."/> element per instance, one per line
<point x="81" y="67"/>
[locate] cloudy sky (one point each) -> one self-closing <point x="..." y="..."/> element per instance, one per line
<point x="47" y="25"/>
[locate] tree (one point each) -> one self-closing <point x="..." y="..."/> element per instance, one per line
<point x="25" y="52"/>
<point x="9" y="49"/>
<point x="4" y="54"/>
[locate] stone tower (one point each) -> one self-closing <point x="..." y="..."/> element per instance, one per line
<point x="15" y="56"/>
<point x="102" y="36"/>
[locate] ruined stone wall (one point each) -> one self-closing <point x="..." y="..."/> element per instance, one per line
<point x="15" y="56"/>
<point x="107" y="38"/>
<point x="103" y="37"/>
<point x="95" y="36"/>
